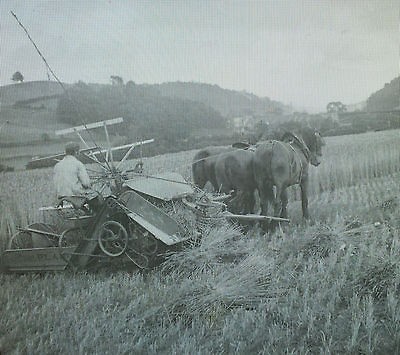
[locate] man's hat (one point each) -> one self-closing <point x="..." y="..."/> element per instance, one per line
<point x="71" y="147"/>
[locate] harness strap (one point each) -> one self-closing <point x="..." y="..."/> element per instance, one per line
<point x="295" y="152"/>
<point x="301" y="163"/>
<point x="303" y="146"/>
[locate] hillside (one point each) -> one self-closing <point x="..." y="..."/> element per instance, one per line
<point x="31" y="112"/>
<point x="385" y="99"/>
<point x="11" y="94"/>
<point x="146" y="113"/>
<point x="178" y="115"/>
<point x="229" y="103"/>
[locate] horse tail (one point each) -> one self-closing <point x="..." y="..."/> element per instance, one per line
<point x="219" y="178"/>
<point x="238" y="171"/>
<point x="199" y="173"/>
<point x="267" y="160"/>
<point x="231" y="167"/>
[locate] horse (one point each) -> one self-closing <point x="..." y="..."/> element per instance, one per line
<point x="234" y="171"/>
<point x="203" y="166"/>
<point x="285" y="163"/>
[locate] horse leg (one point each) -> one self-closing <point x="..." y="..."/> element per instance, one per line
<point x="280" y="205"/>
<point x="284" y="200"/>
<point x="251" y="202"/>
<point x="304" y="198"/>
<point x="278" y="200"/>
<point x="248" y="202"/>
<point x="245" y="206"/>
<point x="266" y="195"/>
<point x="234" y="202"/>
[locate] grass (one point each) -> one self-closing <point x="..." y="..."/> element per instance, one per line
<point x="330" y="286"/>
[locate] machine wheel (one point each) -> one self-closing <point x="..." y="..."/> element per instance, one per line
<point x="70" y="237"/>
<point x="142" y="240"/>
<point x="20" y="240"/>
<point x="36" y="235"/>
<point x="113" y="238"/>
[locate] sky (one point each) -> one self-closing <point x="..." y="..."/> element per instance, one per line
<point x="304" y="53"/>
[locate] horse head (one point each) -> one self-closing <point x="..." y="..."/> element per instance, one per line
<point x="310" y="142"/>
<point x="314" y="142"/>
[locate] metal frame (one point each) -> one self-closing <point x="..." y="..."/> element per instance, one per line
<point x="89" y="152"/>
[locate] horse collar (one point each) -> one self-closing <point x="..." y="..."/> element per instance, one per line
<point x="302" y="145"/>
<point x="301" y="162"/>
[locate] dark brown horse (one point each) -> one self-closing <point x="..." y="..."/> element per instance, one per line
<point x="283" y="164"/>
<point x="234" y="171"/>
<point x="203" y="166"/>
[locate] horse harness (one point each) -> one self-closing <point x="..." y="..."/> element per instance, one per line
<point x="304" y="149"/>
<point x="238" y="146"/>
<point x="301" y="163"/>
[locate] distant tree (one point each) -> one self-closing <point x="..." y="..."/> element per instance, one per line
<point x="336" y="106"/>
<point x="116" y="80"/>
<point x="17" y="77"/>
<point x="130" y="84"/>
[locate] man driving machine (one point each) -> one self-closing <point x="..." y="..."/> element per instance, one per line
<point x="72" y="181"/>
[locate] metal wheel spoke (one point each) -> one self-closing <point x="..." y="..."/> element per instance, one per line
<point x="113" y="238"/>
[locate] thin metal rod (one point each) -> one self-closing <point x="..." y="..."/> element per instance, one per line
<point x="254" y="217"/>
<point x="109" y="152"/>
<point x="54" y="75"/>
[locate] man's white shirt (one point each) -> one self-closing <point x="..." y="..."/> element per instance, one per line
<point x="70" y="177"/>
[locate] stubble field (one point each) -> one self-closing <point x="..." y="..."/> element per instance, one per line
<point x="329" y="286"/>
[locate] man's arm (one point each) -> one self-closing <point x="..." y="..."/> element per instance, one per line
<point x="83" y="176"/>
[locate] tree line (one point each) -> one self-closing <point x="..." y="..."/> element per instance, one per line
<point x="146" y="113"/>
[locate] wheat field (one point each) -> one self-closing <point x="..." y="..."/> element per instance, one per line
<point x="328" y="286"/>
